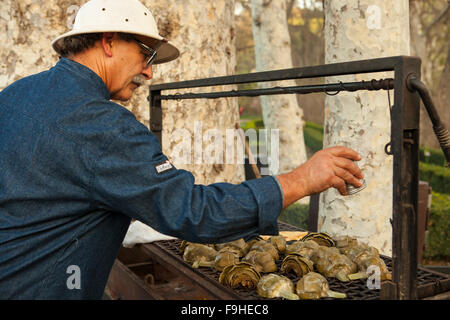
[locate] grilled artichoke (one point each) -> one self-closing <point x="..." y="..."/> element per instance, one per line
<point x="196" y="253"/>
<point x="359" y="252"/>
<point x="185" y="243"/>
<point x="305" y="248"/>
<point x="240" y="274"/>
<point x="330" y="263"/>
<point x="314" y="286"/>
<point x="345" y="241"/>
<point x="321" y="238"/>
<point x="250" y="243"/>
<point x="261" y="260"/>
<point x="371" y="261"/>
<point x="296" y="264"/>
<point x="275" y="286"/>
<point x="238" y="244"/>
<point x="364" y="256"/>
<point x="265" y="246"/>
<point x="279" y="242"/>
<point x="225" y="257"/>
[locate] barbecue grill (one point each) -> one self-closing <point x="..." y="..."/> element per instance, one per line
<point x="157" y="270"/>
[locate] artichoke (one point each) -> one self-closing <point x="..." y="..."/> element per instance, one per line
<point x="225" y="257"/>
<point x="265" y="246"/>
<point x="238" y="244"/>
<point x="185" y="243"/>
<point x="196" y="253"/>
<point x="261" y="260"/>
<point x="364" y="256"/>
<point x="279" y="242"/>
<point x="330" y="263"/>
<point x="306" y="248"/>
<point x="359" y="252"/>
<point x="240" y="274"/>
<point x="296" y="264"/>
<point x="321" y="238"/>
<point x="183" y="246"/>
<point x="345" y="241"/>
<point x="371" y="261"/>
<point x="275" y="286"/>
<point x="250" y="243"/>
<point x="314" y="286"/>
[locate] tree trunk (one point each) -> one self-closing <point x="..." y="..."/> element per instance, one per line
<point x="273" y="51"/>
<point x="355" y="31"/>
<point x="419" y="49"/>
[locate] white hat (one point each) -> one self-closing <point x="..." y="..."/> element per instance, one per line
<point x="127" y="16"/>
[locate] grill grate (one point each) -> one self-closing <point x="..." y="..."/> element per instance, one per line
<point x="355" y="290"/>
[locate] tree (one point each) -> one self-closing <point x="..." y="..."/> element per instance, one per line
<point x="361" y="120"/>
<point x="430" y="30"/>
<point x="273" y="51"/>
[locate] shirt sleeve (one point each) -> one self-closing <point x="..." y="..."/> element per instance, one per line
<point x="135" y="178"/>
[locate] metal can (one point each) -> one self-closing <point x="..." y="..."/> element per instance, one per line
<point x="352" y="190"/>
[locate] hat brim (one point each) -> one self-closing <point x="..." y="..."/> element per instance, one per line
<point x="165" y="50"/>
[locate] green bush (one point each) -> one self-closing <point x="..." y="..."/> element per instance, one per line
<point x="313" y="139"/>
<point x="255" y="124"/>
<point x="313" y="125"/>
<point x="434" y="156"/>
<point x="437" y="245"/>
<point x="296" y="215"/>
<point x="437" y="176"/>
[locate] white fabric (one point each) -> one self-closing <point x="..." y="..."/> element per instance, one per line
<point x="142" y="233"/>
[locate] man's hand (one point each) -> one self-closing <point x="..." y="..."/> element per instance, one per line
<point x="332" y="167"/>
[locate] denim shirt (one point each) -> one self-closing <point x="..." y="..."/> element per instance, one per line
<point x="76" y="168"/>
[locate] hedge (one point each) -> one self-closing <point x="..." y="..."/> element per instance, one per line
<point x="437" y="243"/>
<point x="296" y="215"/>
<point x="434" y="156"/>
<point x="254" y="124"/>
<point x="313" y="135"/>
<point x="437" y="176"/>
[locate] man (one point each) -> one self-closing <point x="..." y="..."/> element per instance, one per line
<point x="76" y="167"/>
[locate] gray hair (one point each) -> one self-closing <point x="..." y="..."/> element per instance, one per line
<point x="78" y="43"/>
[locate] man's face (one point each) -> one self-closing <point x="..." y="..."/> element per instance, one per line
<point x="129" y="63"/>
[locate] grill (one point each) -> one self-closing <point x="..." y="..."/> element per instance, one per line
<point x="408" y="281"/>
<point x="161" y="273"/>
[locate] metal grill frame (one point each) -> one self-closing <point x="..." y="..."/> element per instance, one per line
<point x="404" y="146"/>
<point x="355" y="290"/>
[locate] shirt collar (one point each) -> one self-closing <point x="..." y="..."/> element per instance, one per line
<point x="96" y="83"/>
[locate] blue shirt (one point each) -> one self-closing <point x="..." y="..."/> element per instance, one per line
<point x="76" y="168"/>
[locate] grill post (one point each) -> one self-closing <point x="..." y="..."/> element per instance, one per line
<point x="156" y="114"/>
<point x="405" y="117"/>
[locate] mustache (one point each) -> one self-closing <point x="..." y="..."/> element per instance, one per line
<point x="141" y="80"/>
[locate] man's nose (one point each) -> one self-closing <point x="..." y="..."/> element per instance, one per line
<point x="148" y="72"/>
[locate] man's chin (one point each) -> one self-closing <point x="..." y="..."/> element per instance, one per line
<point x="124" y="95"/>
<point x="121" y="97"/>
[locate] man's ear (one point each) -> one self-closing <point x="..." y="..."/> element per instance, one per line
<point x="107" y="42"/>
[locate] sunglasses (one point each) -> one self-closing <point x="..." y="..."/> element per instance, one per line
<point x="148" y="52"/>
